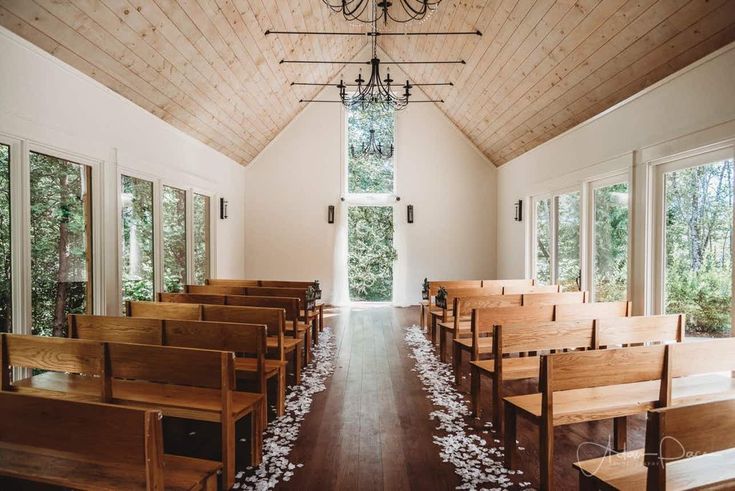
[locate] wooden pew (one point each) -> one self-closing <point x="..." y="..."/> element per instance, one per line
<point x="268" y="283"/>
<point x="594" y="310"/>
<point x="275" y="319"/>
<point x="180" y="382"/>
<point x="687" y="447"/>
<point x="616" y="383"/>
<point x="444" y="302"/>
<point x="516" y="338"/>
<point x="463" y="307"/>
<point x="289" y="304"/>
<point x="430" y="289"/>
<point x="243" y="339"/>
<point x="311" y="312"/>
<point x="85" y="445"/>
<point x="555" y="298"/>
<point x="462" y="340"/>
<point x="513" y="339"/>
<point x="520" y="289"/>
<point x="523" y="282"/>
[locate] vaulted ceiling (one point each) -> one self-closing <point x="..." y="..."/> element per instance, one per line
<point x="540" y="68"/>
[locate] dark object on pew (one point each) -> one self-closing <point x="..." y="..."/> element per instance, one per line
<point x="441" y="298"/>
<point x="425" y="289"/>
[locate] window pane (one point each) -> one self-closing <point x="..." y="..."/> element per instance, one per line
<point x="5" y="284"/>
<point x="370" y="173"/>
<point x="201" y="238"/>
<point x="137" y="239"/>
<point x="610" y="278"/>
<point x="370" y="253"/>
<point x="173" y="215"/>
<point x="567" y="253"/>
<point x="60" y="242"/>
<point x="543" y="242"/>
<point x="698" y="231"/>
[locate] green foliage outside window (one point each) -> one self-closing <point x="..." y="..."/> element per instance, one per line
<point x="370" y="228"/>
<point x="611" y="243"/>
<point x="173" y="215"/>
<point x="567" y="255"/>
<point x="137" y="230"/>
<point x="5" y="285"/>
<point x="543" y="242"/>
<point x="371" y="253"/>
<point x="370" y="173"/>
<point x="60" y="245"/>
<point x="698" y="246"/>
<point x="201" y="238"/>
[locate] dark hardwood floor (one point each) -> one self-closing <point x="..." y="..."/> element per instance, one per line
<point x="371" y="430"/>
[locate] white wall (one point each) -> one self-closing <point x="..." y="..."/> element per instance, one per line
<point x="692" y="108"/>
<point x="46" y="101"/>
<point x="292" y="182"/>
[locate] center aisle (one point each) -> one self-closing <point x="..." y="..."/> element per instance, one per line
<point x="370" y="429"/>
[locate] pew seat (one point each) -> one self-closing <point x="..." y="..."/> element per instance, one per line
<point x="485" y="344"/>
<point x="272" y="367"/>
<point x="513" y="368"/>
<point x="613" y="401"/>
<point x="626" y="471"/>
<point x="181" y="473"/>
<point x="172" y="400"/>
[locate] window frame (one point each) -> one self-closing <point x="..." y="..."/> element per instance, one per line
<point x="187" y="225"/>
<point x="553" y="197"/>
<point x="657" y="232"/>
<point x="591" y="186"/>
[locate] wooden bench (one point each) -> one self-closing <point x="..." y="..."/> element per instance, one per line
<point x="90" y="446"/>
<point x="687" y="447"/>
<point x="463" y="307"/>
<point x="520" y="289"/>
<point x="555" y="298"/>
<point x="278" y="344"/>
<point x="429" y="290"/>
<point x="585" y="386"/>
<point x="179" y="382"/>
<point x="462" y="339"/>
<point x="248" y="341"/>
<point x="311" y="312"/>
<point x="522" y="282"/>
<point x="268" y="283"/>
<point x="515" y="339"/>
<point x="290" y="304"/>
<point x="443" y="312"/>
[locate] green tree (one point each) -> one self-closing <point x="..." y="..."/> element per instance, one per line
<point x="371" y="253"/>
<point x="5" y="285"/>
<point x="137" y="231"/>
<point x="173" y="216"/>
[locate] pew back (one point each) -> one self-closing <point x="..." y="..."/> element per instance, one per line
<point x="596" y="310"/>
<point x="116" y="329"/>
<point x="171" y="365"/>
<point x="598" y="368"/>
<point x="544" y="335"/>
<point x="509" y="283"/>
<point x="445" y="296"/>
<point x="87" y="432"/>
<point x="207" y="298"/>
<point x="554" y="298"/>
<point x="54" y="354"/>
<point x="156" y="310"/>
<point x="700" y="357"/>
<point x="640" y="329"/>
<point x="463" y="306"/>
<point x="484" y="319"/>
<point x="516" y="289"/>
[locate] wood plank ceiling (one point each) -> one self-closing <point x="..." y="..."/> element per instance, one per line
<point x="541" y="67"/>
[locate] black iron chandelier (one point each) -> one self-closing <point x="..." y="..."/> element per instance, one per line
<point x="359" y="10"/>
<point x="372" y="147"/>
<point x="376" y="90"/>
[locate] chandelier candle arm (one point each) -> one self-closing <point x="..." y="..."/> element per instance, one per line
<point x="385" y="10"/>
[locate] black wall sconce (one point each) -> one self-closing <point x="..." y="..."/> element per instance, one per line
<point x="519" y="211"/>
<point x="223" y="208"/>
<point x="330" y="214"/>
<point x="409" y="213"/>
